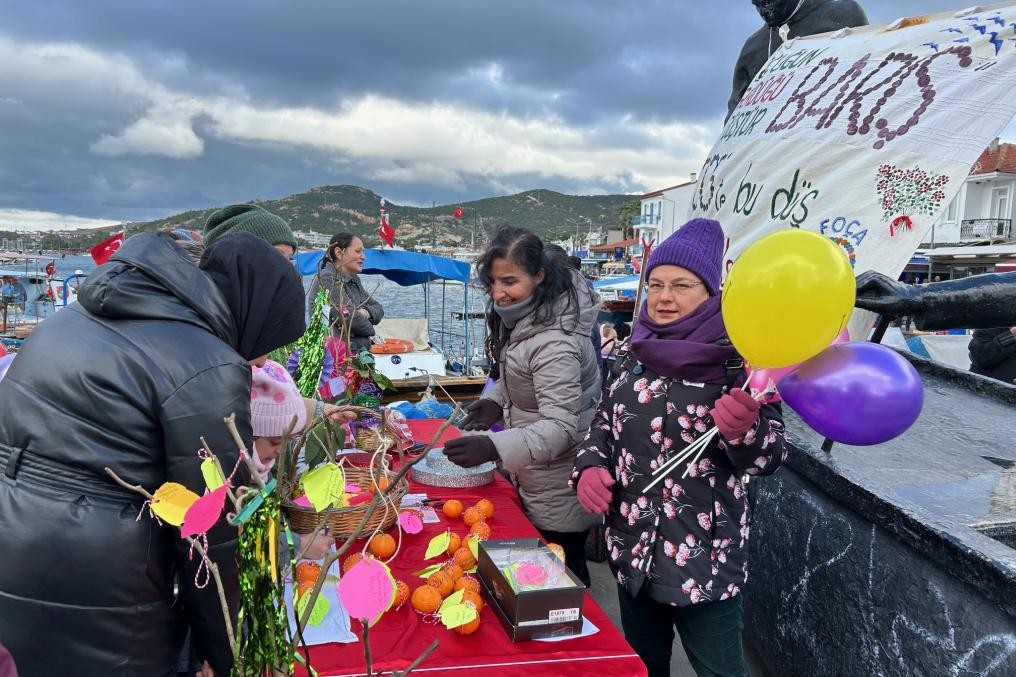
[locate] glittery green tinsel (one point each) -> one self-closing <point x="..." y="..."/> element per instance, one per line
<point x="266" y="643"/>
<point x="312" y="348"/>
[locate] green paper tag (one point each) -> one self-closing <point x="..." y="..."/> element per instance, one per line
<point x="213" y="478"/>
<point x="325" y="486"/>
<point x="438" y="545"/>
<point x="457" y="615"/>
<point x="320" y="611"/>
<point x="453" y="599"/>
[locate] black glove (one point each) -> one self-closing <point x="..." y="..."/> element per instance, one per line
<point x="481" y="414"/>
<point x="471" y="451"/>
<point x="883" y="295"/>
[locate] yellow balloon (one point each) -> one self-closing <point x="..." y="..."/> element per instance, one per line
<point x="787" y="298"/>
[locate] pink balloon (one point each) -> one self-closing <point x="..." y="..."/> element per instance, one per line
<point x="204" y="513"/>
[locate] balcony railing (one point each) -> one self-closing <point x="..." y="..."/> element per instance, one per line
<point x="646" y="220"/>
<point x="985" y="229"/>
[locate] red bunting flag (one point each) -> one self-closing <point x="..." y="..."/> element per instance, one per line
<point x="105" y="249"/>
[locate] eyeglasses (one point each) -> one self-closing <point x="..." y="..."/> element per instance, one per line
<point x="678" y="288"/>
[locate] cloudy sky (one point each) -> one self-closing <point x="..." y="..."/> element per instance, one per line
<point x="136" y="110"/>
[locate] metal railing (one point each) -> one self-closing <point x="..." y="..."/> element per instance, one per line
<point x="646" y="220"/>
<point x="985" y="229"/>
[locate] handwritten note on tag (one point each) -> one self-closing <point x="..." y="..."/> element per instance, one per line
<point x="325" y="486"/>
<point x="171" y="502"/>
<point x="457" y="615"/>
<point x="410" y="522"/>
<point x="203" y="513"/>
<point x="438" y="546"/>
<point x="368" y="589"/>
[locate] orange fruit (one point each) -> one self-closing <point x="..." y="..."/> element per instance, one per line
<point x="467" y="583"/>
<point x="486" y="507"/>
<point x="426" y="599"/>
<point x="307" y="572"/>
<point x="464" y="558"/>
<point x="474" y="599"/>
<point x="469" y="628"/>
<point x="442" y="582"/>
<point x="481" y="530"/>
<point x="303" y="589"/>
<point x="454" y="543"/>
<point x="452" y="508"/>
<point x="351" y="562"/>
<point x="453" y="570"/>
<point x="471" y="516"/>
<point x="401" y="594"/>
<point x="382" y="482"/>
<point x="382" y="546"/>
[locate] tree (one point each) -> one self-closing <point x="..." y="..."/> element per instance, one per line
<point x="626" y="215"/>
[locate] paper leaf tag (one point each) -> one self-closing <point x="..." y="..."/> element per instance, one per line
<point x="438" y="545"/>
<point x="361" y="498"/>
<point x="324" y="486"/>
<point x="303" y="502"/>
<point x="353" y="489"/>
<point x="203" y="513"/>
<point x="321" y="608"/>
<point x="411" y="522"/>
<point x="453" y="599"/>
<point x="426" y="573"/>
<point x="171" y="502"/>
<point x="457" y="615"/>
<point x="368" y="589"/>
<point x="474" y="547"/>
<point x="210" y="471"/>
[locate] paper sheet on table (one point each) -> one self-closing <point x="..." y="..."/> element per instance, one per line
<point x="587" y="629"/>
<point x="336" y="626"/>
<point x="430" y="516"/>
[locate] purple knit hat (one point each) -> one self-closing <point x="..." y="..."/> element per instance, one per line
<point x="697" y="246"/>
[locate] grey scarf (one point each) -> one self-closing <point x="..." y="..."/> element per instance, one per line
<point x="511" y="315"/>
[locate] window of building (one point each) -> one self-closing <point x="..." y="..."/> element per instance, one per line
<point x="951" y="210"/>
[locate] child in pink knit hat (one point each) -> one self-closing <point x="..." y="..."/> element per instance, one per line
<point x="275" y="407"/>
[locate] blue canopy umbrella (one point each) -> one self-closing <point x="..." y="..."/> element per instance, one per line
<point x="401" y="267"/>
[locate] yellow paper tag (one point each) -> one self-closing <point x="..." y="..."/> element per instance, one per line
<point x="171" y="502"/>
<point x="210" y="471"/>
<point x="438" y="545"/>
<point x="474" y="547"/>
<point x="457" y="615"/>
<point x="325" y="486"/>
<point x="273" y="553"/>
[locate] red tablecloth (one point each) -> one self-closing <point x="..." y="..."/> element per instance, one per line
<point x="402" y="634"/>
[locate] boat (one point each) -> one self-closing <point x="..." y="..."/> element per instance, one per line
<point x="617" y="293"/>
<point x="425" y="365"/>
<point x="31" y="293"/>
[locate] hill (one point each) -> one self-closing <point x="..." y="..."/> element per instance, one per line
<point x="332" y="209"/>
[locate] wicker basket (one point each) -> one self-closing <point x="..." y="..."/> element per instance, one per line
<point x="343" y="521"/>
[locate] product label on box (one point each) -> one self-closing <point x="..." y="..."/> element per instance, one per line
<point x="564" y="615"/>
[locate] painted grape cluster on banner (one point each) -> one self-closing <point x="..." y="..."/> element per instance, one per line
<point x="864" y="135"/>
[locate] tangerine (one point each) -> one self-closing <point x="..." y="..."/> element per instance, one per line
<point x="464" y="558"/>
<point x="453" y="570"/>
<point x="474" y="599"/>
<point x="471" y="516"/>
<point x="467" y="583"/>
<point x="452" y="508"/>
<point x="307" y="572"/>
<point x="486" y="507"/>
<point x="351" y="562"/>
<point x="382" y="546"/>
<point x="481" y="530"/>
<point x="454" y="543"/>
<point x="442" y="582"/>
<point x="401" y="594"/>
<point x="426" y="599"/>
<point x="469" y="628"/>
<point x="382" y="482"/>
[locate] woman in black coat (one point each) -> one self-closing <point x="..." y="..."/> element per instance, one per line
<point x="153" y="356"/>
<point x="993" y="353"/>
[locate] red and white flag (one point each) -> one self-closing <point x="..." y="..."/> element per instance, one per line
<point x="385" y="231"/>
<point x="105" y="249"/>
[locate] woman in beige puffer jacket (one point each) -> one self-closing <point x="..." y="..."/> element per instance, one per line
<point x="540" y="317"/>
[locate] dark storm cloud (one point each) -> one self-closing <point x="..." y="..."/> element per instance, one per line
<point x="598" y="66"/>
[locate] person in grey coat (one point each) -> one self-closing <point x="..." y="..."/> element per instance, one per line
<point x="540" y="316"/>
<point x="352" y="307"/>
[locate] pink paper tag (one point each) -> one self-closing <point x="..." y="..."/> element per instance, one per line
<point x="353" y="489"/>
<point x="411" y="522"/>
<point x="303" y="502"/>
<point x="204" y="513"/>
<point x="366" y="590"/>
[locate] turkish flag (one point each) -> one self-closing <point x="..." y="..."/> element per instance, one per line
<point x="105" y="249"/>
<point x="458" y="213"/>
<point x="386" y="232"/>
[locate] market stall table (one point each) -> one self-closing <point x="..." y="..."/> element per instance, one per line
<point x="403" y="634"/>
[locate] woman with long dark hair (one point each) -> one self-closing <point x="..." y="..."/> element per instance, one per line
<point x="540" y="315"/>
<point x="352" y="308"/>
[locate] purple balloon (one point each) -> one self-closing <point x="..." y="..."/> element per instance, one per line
<point x="5" y="364"/>
<point x="856" y="393"/>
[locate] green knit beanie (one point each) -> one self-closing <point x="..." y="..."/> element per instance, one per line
<point x="249" y="219"/>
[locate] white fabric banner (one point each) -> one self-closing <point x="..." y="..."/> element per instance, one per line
<point x="864" y="135"/>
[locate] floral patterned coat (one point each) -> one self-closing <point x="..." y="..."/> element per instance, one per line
<point x="687" y="539"/>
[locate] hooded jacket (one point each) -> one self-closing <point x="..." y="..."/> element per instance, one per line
<point x="346" y="290"/>
<point x="129" y="378"/>
<point x="549" y="389"/>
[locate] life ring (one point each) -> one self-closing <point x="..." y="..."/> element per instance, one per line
<point x="392" y="347"/>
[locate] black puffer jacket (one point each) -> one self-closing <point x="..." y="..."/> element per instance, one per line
<point x="129" y="377"/>
<point x="993" y="353"/>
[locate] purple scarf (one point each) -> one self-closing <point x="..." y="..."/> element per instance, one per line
<point x="684" y="349"/>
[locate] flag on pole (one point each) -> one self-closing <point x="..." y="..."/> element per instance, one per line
<point x="385" y="231"/>
<point x="105" y="249"/>
<point x="459" y="212"/>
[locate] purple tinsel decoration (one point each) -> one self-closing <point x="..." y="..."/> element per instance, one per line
<point x="294" y="361"/>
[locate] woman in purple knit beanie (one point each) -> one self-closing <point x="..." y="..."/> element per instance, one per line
<point x="679" y="550"/>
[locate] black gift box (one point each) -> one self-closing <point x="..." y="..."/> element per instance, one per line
<point x="529" y="614"/>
